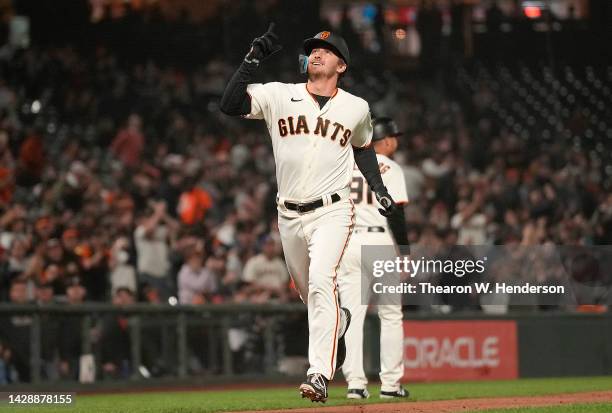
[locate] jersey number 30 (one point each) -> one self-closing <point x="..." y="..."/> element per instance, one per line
<point x="360" y="191"/>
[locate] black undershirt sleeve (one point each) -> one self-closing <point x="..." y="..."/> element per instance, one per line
<point x="366" y="161"/>
<point x="235" y="100"/>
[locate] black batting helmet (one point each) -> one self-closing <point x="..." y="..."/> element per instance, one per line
<point x="331" y="41"/>
<point x="384" y="127"/>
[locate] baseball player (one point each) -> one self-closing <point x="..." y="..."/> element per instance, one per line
<point x="318" y="133"/>
<point x="373" y="229"/>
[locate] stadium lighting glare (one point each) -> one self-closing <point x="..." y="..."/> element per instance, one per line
<point x="400" y="34"/>
<point x="533" y="8"/>
<point x="35" y="106"/>
<point x="533" y="12"/>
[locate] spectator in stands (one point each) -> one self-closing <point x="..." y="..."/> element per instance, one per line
<point x="70" y="342"/>
<point x="129" y="143"/>
<point x="193" y="202"/>
<point x="229" y="281"/>
<point x="196" y="284"/>
<point x="150" y="294"/>
<point x="44" y="228"/>
<point x="58" y="265"/>
<point x="70" y="240"/>
<point x="31" y="160"/>
<point x="266" y="273"/>
<point x="115" y="349"/>
<point x="8" y="374"/>
<point x="13" y="224"/>
<point x="440" y="163"/>
<point x="469" y="220"/>
<point x="152" y="240"/>
<point x="15" y="332"/>
<point x="603" y="220"/>
<point x="171" y="187"/>
<point x="413" y="176"/>
<point x="7" y="178"/>
<point x="93" y="266"/>
<point x="13" y="265"/>
<point x="44" y="293"/>
<point x="6" y="156"/>
<point x="123" y="273"/>
<point x="49" y="332"/>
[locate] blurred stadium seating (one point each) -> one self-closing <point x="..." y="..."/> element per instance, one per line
<point x="115" y="134"/>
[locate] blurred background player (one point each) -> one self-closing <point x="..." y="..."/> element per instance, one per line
<point x="374" y="229"/>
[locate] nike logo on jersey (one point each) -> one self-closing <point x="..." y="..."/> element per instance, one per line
<point x="296" y="100"/>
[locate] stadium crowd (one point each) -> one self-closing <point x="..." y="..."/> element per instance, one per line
<point x="122" y="182"/>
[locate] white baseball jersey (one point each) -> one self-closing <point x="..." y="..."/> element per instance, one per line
<point x="312" y="145"/>
<point x="365" y="202"/>
<point x="314" y="158"/>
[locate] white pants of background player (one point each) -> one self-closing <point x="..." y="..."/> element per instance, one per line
<point x="391" y="328"/>
<point x="313" y="244"/>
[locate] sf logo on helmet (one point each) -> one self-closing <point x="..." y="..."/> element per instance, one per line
<point x="323" y="35"/>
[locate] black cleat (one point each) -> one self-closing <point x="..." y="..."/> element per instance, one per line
<point x="315" y="388"/>
<point x="341" y="355"/>
<point x="357" y="394"/>
<point x="401" y="393"/>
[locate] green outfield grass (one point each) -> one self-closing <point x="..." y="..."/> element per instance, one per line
<point x="282" y="398"/>
<point x="571" y="408"/>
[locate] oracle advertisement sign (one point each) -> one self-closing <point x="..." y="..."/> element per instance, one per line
<point x="460" y="350"/>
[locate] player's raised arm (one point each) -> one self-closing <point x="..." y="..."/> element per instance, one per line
<point x="235" y="100"/>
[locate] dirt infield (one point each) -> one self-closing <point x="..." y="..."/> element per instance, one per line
<point x="453" y="406"/>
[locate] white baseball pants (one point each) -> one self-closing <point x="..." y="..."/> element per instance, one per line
<point x="314" y="244"/>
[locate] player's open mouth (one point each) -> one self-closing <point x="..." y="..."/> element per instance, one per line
<point x="317" y="64"/>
